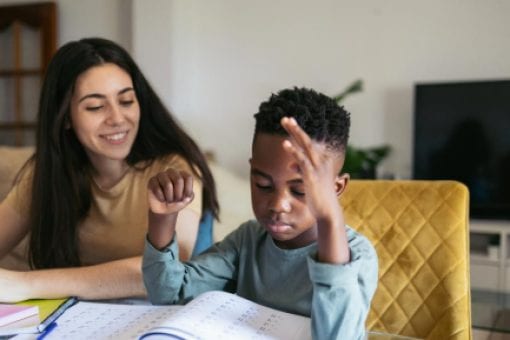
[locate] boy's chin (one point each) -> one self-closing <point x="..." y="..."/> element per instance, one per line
<point x="292" y="241"/>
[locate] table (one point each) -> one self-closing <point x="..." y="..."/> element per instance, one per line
<point x="386" y="336"/>
<point x="127" y="315"/>
<point x="370" y="336"/>
<point x="490" y="310"/>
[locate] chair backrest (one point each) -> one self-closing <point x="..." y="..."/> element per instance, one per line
<point x="420" y="232"/>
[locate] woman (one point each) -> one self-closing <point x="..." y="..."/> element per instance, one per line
<point x="81" y="200"/>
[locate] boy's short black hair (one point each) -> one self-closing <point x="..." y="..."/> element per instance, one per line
<point x="317" y="114"/>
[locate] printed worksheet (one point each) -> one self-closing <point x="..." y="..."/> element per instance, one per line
<point x="212" y="315"/>
<point x="92" y="320"/>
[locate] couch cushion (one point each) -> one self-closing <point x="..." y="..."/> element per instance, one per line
<point x="234" y="199"/>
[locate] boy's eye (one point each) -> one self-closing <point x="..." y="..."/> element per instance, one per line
<point x="263" y="187"/>
<point x="297" y="192"/>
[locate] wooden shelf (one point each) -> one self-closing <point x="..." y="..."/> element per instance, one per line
<point x="41" y="18"/>
<point x="18" y="125"/>
<point x="21" y="73"/>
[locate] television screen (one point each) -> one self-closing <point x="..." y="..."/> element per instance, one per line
<point x="462" y="132"/>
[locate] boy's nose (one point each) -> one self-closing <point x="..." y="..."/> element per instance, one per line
<point x="280" y="203"/>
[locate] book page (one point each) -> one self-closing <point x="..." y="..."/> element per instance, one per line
<point x="212" y="315"/>
<point x="95" y="320"/>
<point x="220" y="315"/>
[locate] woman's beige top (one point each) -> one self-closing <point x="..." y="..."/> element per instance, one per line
<point x="116" y="226"/>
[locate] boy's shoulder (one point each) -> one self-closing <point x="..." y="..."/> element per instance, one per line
<point x="359" y="243"/>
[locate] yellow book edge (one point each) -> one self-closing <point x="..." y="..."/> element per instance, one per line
<point x="49" y="311"/>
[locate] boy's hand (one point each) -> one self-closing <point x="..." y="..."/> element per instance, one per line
<point x="317" y="169"/>
<point x="321" y="181"/>
<point x="170" y="191"/>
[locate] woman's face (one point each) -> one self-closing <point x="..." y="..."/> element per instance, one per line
<point x="105" y="113"/>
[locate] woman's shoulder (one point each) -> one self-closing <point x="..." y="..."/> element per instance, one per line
<point x="19" y="189"/>
<point x="161" y="163"/>
<point x="164" y="162"/>
<point x="359" y="244"/>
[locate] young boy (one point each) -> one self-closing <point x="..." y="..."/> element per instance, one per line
<point x="298" y="256"/>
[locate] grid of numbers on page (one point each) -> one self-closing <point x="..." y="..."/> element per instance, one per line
<point x="221" y="316"/>
<point x="89" y="320"/>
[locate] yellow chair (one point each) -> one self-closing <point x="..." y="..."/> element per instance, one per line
<point x="420" y="232"/>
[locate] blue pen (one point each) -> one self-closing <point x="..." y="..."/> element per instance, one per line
<point x="47" y="330"/>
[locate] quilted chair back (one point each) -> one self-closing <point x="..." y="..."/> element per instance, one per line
<point x="420" y="232"/>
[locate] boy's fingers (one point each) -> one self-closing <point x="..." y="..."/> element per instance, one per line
<point x="155" y="188"/>
<point x="178" y="185"/>
<point x="301" y="158"/>
<point x="300" y="137"/>
<point x="170" y="191"/>
<point x="293" y="130"/>
<point x="166" y="186"/>
<point x="188" y="184"/>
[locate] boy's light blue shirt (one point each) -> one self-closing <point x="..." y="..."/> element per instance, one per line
<point x="247" y="262"/>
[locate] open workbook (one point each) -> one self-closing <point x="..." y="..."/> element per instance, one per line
<point x="211" y="315"/>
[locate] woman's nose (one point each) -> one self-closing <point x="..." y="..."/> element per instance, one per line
<point x="115" y="115"/>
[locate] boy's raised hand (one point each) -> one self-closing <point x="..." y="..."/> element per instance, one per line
<point x="317" y="169"/>
<point x="321" y="182"/>
<point x="170" y="191"/>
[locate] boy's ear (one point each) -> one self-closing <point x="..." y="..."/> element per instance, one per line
<point x="341" y="183"/>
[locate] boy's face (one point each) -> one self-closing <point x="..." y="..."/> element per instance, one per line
<point x="277" y="192"/>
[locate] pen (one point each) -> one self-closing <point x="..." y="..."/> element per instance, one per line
<point x="56" y="313"/>
<point x="47" y="330"/>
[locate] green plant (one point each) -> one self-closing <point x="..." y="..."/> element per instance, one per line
<point x="361" y="162"/>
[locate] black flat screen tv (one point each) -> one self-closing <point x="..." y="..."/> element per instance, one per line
<point x="462" y="132"/>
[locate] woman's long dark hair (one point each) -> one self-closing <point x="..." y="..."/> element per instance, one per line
<point x="61" y="190"/>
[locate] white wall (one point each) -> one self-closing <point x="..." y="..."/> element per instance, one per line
<point x="213" y="62"/>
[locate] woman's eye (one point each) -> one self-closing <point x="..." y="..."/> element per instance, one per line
<point x="94" y="108"/>
<point x="127" y="102"/>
